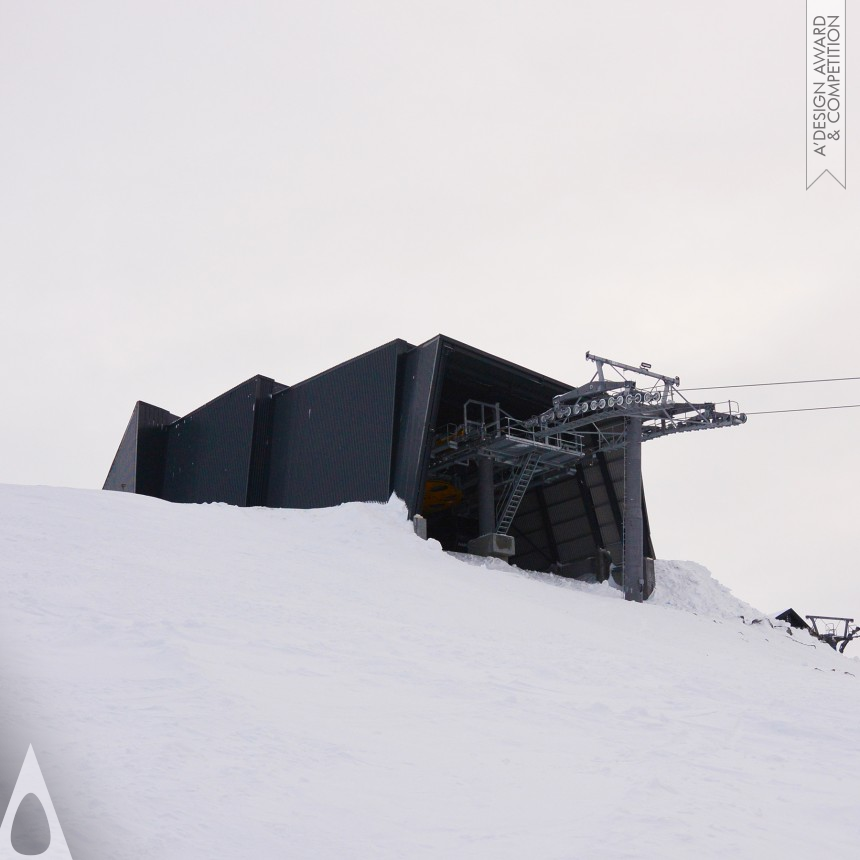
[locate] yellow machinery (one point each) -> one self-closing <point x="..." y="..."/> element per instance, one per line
<point x="439" y="496"/>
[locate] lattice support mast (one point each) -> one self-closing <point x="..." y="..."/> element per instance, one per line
<point x="601" y="416"/>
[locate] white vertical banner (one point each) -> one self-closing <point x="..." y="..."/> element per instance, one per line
<point x="825" y="90"/>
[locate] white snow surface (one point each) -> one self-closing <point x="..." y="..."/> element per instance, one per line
<point x="204" y="681"/>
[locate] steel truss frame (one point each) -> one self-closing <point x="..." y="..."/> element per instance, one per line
<point x="582" y="424"/>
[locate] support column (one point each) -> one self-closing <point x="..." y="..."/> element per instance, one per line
<point x="486" y="497"/>
<point x="634" y="545"/>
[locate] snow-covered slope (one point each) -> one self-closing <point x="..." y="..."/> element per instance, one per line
<point x="213" y="682"/>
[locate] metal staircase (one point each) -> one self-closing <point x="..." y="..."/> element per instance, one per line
<point x="523" y="474"/>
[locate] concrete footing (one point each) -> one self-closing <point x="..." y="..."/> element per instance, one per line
<point x="493" y="545"/>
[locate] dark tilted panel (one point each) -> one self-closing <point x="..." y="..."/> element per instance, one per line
<point x="418" y="394"/>
<point x="261" y="441"/>
<point x="122" y="475"/>
<point x="138" y="466"/>
<point x="209" y="450"/>
<point x="332" y="435"/>
<point x="794" y="618"/>
<point x="554" y="524"/>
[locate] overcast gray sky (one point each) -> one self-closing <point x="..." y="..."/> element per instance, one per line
<point x="192" y="193"/>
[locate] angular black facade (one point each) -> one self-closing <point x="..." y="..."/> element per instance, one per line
<point x="334" y="433"/>
<point x="139" y="463"/>
<point x="210" y="451"/>
<point x="362" y="431"/>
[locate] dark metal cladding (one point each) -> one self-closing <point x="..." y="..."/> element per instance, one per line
<point x="794" y="618"/>
<point x="333" y="434"/>
<point x="363" y="430"/>
<point x="649" y="544"/>
<point x="138" y="466"/>
<point x="557" y="524"/>
<point x="470" y="374"/>
<point x="418" y="391"/>
<point x="587" y="501"/>
<point x="261" y="441"/>
<point x="608" y="490"/>
<point x="209" y="451"/>
<point x="122" y="474"/>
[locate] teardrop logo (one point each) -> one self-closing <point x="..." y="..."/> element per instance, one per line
<point x="31" y="781"/>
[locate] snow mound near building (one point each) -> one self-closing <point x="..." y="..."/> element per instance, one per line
<point x="683" y="585"/>
<point x="691" y="587"/>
